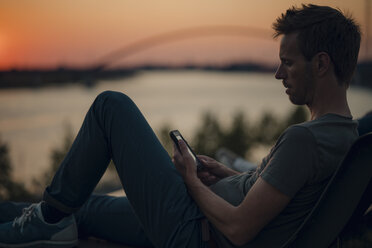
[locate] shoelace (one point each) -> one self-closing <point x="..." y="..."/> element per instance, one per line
<point x="27" y="214"/>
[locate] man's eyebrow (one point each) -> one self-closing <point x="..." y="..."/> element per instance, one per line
<point x="285" y="57"/>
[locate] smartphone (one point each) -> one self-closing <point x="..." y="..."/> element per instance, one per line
<point x="176" y="136"/>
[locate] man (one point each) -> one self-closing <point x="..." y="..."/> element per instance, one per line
<point x="172" y="203"/>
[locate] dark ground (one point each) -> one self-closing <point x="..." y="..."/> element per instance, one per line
<point x="96" y="243"/>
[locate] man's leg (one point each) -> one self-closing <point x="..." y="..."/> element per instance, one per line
<point x="112" y="219"/>
<point x="115" y="128"/>
<point x="101" y="216"/>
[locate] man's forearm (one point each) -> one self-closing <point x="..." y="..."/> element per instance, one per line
<point x="240" y="224"/>
<point x="219" y="212"/>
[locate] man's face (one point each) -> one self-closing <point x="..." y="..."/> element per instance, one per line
<point x="295" y="71"/>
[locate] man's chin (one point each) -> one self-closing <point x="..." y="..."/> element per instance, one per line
<point x="296" y="101"/>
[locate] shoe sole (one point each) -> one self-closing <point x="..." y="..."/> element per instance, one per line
<point x="42" y="244"/>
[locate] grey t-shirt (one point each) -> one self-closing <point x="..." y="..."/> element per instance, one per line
<point x="299" y="165"/>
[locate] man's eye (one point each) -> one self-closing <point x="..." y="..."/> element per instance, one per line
<point x="286" y="62"/>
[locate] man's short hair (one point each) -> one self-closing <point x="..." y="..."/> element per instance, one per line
<point x="324" y="29"/>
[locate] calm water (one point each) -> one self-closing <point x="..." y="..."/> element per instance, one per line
<point x="32" y="121"/>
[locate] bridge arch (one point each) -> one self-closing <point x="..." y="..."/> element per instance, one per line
<point x="178" y="35"/>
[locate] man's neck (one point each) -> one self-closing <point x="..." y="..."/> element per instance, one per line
<point x="332" y="101"/>
<point x="316" y="113"/>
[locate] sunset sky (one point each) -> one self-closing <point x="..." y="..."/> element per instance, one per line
<point x="44" y="33"/>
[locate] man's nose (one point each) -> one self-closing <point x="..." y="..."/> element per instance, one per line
<point x="279" y="74"/>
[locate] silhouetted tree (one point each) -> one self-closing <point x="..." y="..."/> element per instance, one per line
<point x="298" y="115"/>
<point x="56" y="157"/>
<point x="207" y="138"/>
<point x="9" y="189"/>
<point x="267" y="129"/>
<point x="238" y="137"/>
<point x="58" y="154"/>
<point x="163" y="136"/>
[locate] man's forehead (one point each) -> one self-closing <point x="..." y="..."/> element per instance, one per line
<point x="288" y="44"/>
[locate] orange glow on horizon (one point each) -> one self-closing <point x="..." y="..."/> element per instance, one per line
<point x="39" y="33"/>
<point x="2" y="46"/>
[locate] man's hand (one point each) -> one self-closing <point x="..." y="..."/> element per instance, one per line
<point x="184" y="162"/>
<point x="213" y="171"/>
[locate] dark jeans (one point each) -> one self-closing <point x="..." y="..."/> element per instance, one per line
<point x="114" y="128"/>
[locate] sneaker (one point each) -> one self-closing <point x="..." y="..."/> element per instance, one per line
<point x="31" y="230"/>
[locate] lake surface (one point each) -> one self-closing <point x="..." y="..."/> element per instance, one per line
<point x="32" y="121"/>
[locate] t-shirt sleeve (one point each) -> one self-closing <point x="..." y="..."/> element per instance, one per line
<point x="292" y="161"/>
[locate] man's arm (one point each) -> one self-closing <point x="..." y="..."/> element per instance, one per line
<point x="240" y="224"/>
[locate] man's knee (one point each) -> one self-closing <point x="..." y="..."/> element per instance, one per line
<point x="114" y="98"/>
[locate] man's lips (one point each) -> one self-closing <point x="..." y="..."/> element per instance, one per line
<point x="287" y="87"/>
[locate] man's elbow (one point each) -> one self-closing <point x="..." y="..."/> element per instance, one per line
<point x="240" y="236"/>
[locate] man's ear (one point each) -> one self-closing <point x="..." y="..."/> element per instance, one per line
<point x="322" y="63"/>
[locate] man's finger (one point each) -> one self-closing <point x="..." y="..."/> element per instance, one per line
<point x="183" y="147"/>
<point x="185" y="152"/>
<point x="175" y="149"/>
<point x="206" y="163"/>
